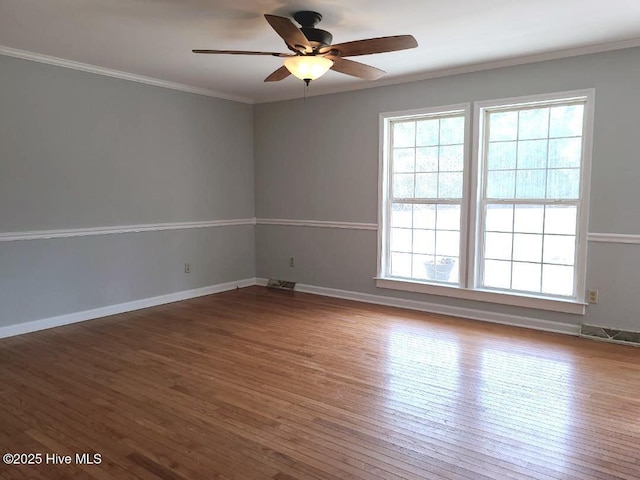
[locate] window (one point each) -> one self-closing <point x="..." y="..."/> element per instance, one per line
<point x="507" y="224"/>
<point x="531" y="197"/>
<point x="425" y="196"/>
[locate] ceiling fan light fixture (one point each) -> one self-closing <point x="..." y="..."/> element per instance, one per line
<point x="314" y="52"/>
<point x="308" y="67"/>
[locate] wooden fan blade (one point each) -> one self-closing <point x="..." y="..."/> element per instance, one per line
<point x="279" y="74"/>
<point x="355" y="69"/>
<point x="291" y="34"/>
<point x="242" y="52"/>
<point x="373" y="45"/>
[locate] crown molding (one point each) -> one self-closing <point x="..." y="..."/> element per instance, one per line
<point x="132" y="77"/>
<point x="476" y="67"/>
<point x="148" y="227"/>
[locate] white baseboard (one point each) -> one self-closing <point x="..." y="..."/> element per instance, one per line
<point x="513" y="320"/>
<point x="45" y="323"/>
<point x="501" y="318"/>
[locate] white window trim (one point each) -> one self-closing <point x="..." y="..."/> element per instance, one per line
<point x="471" y="215"/>
<point x="384" y="175"/>
<point x="503" y="298"/>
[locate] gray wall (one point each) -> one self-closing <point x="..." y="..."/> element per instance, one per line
<point x="80" y="150"/>
<point x="319" y="161"/>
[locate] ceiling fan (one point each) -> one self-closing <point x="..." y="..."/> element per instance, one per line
<point x="313" y="54"/>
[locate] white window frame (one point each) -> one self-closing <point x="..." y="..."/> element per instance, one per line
<point x="470" y="228"/>
<point x="384" y="186"/>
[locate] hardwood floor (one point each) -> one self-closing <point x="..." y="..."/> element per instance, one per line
<point x="258" y="384"/>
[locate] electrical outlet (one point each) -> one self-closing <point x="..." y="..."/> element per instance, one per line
<point x="187" y="268"/>
<point x="291" y="262"/>
<point x="592" y="296"/>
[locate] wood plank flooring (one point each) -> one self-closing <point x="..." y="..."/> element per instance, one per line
<point x="263" y="384"/>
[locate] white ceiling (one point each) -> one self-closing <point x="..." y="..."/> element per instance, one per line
<point x="154" y="38"/>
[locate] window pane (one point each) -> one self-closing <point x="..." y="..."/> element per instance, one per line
<point x="499" y="218"/>
<point x="557" y="280"/>
<point x="451" y="130"/>
<point x="450" y="185"/>
<point x="454" y="276"/>
<point x="563" y="183"/>
<point x="403" y="159"/>
<point x="566" y="121"/>
<point x="527" y="247"/>
<point x="498" y="245"/>
<point x="447" y="243"/>
<point x="419" y="270"/>
<point x="441" y="269"/>
<point x="565" y="152"/>
<point x="424" y="241"/>
<point x="530" y="183"/>
<point x="424" y="216"/>
<point x="452" y="158"/>
<point x="401" y="264"/>
<point x="427" y="159"/>
<point x="526" y="277"/>
<point x="502" y="156"/>
<point x="404" y="134"/>
<point x="401" y="239"/>
<point x="426" y="246"/>
<point x="533" y="123"/>
<point x="497" y="274"/>
<point x="503" y="126"/>
<point x="559" y="249"/>
<point x="532" y="154"/>
<point x="448" y="217"/>
<point x="426" y="185"/>
<point x="501" y="184"/>
<point x="428" y="131"/>
<point x="528" y="218"/>
<point x="560" y="219"/>
<point x="401" y="215"/>
<point x="402" y="185"/>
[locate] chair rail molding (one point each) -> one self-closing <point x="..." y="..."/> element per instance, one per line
<point x="147" y="227"/>
<point x="317" y="223"/>
<point x="633" y="239"/>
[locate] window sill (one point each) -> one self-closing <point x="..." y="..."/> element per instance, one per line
<point x="554" y="305"/>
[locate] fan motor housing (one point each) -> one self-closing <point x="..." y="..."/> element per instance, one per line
<point x="317" y="37"/>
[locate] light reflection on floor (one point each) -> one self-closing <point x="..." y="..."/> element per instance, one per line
<point x="520" y="397"/>
<point x="530" y="395"/>
<point x="434" y="361"/>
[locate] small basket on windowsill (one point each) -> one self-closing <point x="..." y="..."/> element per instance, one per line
<point x="440" y="270"/>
